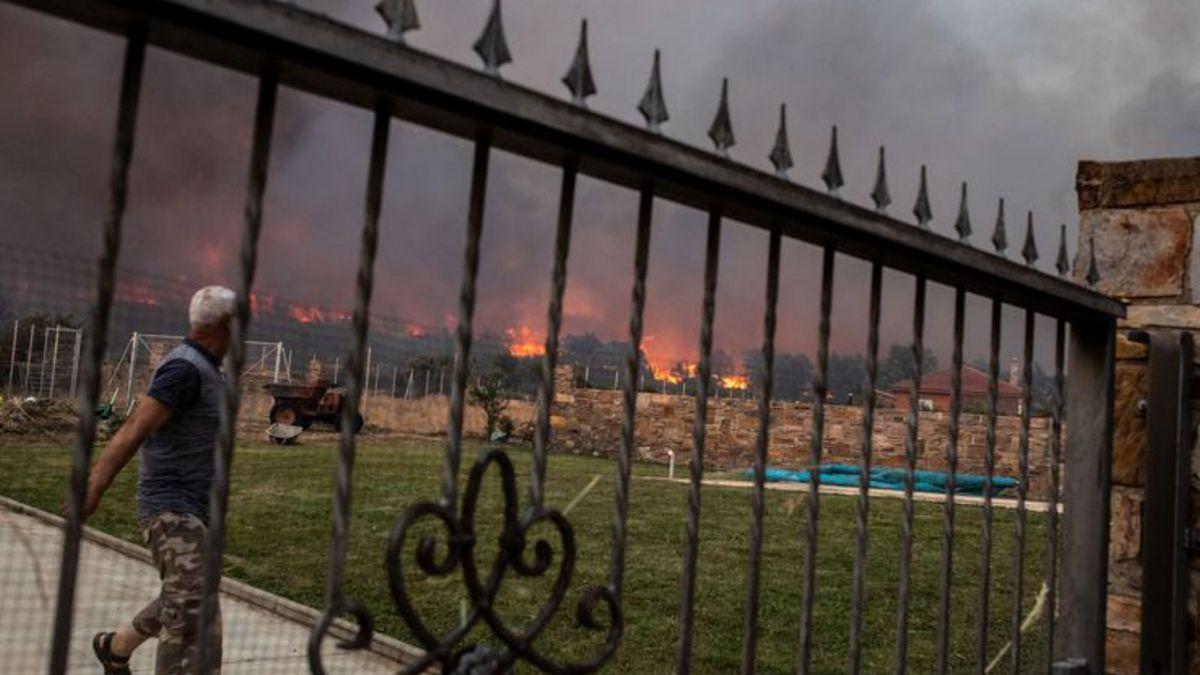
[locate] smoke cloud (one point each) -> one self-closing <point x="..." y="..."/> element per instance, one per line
<point x="1007" y="96"/>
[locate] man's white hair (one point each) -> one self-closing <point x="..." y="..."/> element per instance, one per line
<point x="210" y="305"/>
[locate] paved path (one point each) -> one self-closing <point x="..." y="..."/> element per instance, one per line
<point x="112" y="586"/>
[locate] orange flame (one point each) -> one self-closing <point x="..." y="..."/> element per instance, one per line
<point x="413" y="330"/>
<point x="735" y="382"/>
<point x="316" y="314"/>
<point x="522" y="342"/>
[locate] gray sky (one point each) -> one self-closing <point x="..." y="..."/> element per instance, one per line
<point x="1007" y="96"/>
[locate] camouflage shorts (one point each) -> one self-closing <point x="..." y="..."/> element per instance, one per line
<point x="177" y="543"/>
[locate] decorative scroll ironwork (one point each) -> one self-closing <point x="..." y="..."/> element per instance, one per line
<point x="460" y="542"/>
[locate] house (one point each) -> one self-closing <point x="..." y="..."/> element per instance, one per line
<point x="935" y="392"/>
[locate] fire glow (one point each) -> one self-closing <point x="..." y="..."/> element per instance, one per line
<point x="305" y="314"/>
<point x="735" y="382"/>
<point x="522" y="343"/>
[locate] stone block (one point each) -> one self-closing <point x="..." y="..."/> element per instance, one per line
<point x="1122" y="651"/>
<point x="1128" y="350"/>
<point x="1125" y="533"/>
<point x="1162" y="316"/>
<point x="1125" y="613"/>
<point x="1129" y="425"/>
<point x="1140" y="253"/>
<point x="1150" y="182"/>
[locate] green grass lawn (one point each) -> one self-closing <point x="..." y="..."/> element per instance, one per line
<point x="279" y="531"/>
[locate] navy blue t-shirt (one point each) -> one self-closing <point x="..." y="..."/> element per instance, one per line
<point x="176" y="383"/>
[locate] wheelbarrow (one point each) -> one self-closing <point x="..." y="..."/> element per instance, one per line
<point x="301" y="404"/>
<point x="284" y="434"/>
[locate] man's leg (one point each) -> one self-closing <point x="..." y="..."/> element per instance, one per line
<point x="180" y="547"/>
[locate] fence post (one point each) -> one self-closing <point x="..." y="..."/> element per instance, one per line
<point x="12" y="364"/>
<point x="278" y="359"/>
<point x="1084" y="593"/>
<point x="427" y="373"/>
<point x="54" y="361"/>
<point x="337" y="362"/>
<point x="394" y="371"/>
<point x="133" y="347"/>
<point x="75" y="360"/>
<point x="45" y="355"/>
<point x="28" y="362"/>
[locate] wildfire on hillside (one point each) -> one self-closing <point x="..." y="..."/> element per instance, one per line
<point x="522" y="342"/>
<point x="413" y="330"/>
<point x="305" y="314"/>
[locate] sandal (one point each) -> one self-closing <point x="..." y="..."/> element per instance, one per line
<point x="113" y="665"/>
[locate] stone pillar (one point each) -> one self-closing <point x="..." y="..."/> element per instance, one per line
<point x="1142" y="218"/>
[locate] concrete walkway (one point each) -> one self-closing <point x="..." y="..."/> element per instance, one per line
<point x="115" y="580"/>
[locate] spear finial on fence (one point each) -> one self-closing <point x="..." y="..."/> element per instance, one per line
<point x="999" y="236"/>
<point x="781" y="154"/>
<point x="1093" y="274"/>
<point x="1063" y="263"/>
<point x="491" y="45"/>
<point x="721" y="130"/>
<point x="963" y="225"/>
<point x="652" y="106"/>
<point x="1029" y="250"/>
<point x="832" y="175"/>
<point x="579" y="76"/>
<point x="880" y="194"/>
<point x="921" y="209"/>
<point x="400" y="17"/>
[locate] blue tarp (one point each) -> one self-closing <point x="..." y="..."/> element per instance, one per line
<point x="892" y="479"/>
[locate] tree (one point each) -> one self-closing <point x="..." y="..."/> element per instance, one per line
<point x="847" y="375"/>
<point x="490" y="395"/>
<point x="897" y="365"/>
<point x="792" y="377"/>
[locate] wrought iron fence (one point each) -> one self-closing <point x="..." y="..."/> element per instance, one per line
<point x="280" y="44"/>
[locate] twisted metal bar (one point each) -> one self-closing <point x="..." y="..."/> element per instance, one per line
<point x="761" y="446"/>
<point x="943" y="653"/>
<point x="859" y="590"/>
<point x="1056" y="424"/>
<point x="1022" y="489"/>
<point x="558" y="286"/>
<point x="910" y="459"/>
<point x="335" y="597"/>
<point x="712" y="254"/>
<point x="513" y="543"/>
<point x="85" y="433"/>
<point x="813" y="501"/>
<point x="641" y="262"/>
<point x="264" y="118"/>
<point x="989" y="462"/>
<point x="466" y="314"/>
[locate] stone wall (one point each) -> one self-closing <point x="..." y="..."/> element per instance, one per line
<point x="1142" y="217"/>
<point x="589" y="421"/>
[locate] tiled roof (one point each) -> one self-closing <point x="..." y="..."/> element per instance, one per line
<point x="974" y="383"/>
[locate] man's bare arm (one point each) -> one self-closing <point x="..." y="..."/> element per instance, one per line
<point x="148" y="416"/>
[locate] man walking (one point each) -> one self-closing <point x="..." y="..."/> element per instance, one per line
<point x="175" y="424"/>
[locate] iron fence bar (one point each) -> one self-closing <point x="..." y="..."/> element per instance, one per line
<point x="466" y="314"/>
<point x="1022" y="490"/>
<point x="264" y="118"/>
<point x="712" y="255"/>
<point x="761" y="447"/>
<point x="989" y="469"/>
<point x="335" y="595"/>
<point x="1056" y="427"/>
<point x="859" y="585"/>
<point x="336" y="61"/>
<point x="558" y="286"/>
<point x="947" y="569"/>
<point x="1086" y="495"/>
<point x="816" y="444"/>
<point x="641" y="261"/>
<point x="910" y="465"/>
<point x="81" y="452"/>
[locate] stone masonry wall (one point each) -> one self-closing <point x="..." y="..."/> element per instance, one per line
<point x="1142" y="217"/>
<point x="589" y="421"/>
